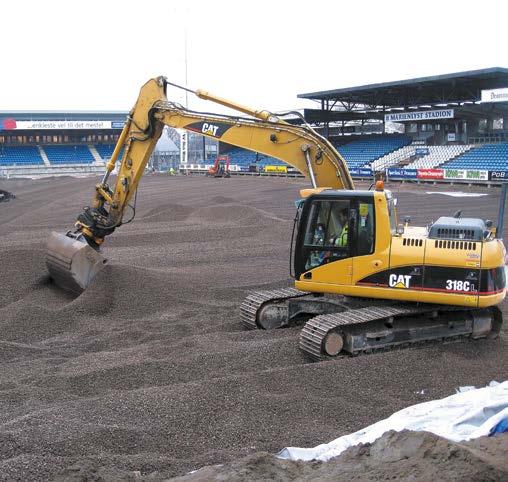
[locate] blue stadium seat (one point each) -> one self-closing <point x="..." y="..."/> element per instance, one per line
<point x="69" y="154"/>
<point x="362" y="152"/>
<point x="243" y="157"/>
<point x="489" y="157"/>
<point x="20" y="156"/>
<point x="356" y="153"/>
<point x="106" y="151"/>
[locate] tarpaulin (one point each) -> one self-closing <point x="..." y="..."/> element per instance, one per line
<point x="468" y="414"/>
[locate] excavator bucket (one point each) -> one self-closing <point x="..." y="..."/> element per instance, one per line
<point x="71" y="262"/>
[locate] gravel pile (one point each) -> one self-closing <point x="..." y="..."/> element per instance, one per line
<point x="150" y="372"/>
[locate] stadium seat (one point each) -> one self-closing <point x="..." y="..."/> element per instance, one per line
<point x="69" y="154"/>
<point x="106" y="151"/>
<point x="20" y="156"/>
<point x="364" y="152"/>
<point x="357" y="153"/>
<point x="493" y="157"/>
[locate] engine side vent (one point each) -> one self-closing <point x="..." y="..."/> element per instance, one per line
<point x="455" y="233"/>
<point x="412" y="242"/>
<point x="449" y="244"/>
<point x="460" y="229"/>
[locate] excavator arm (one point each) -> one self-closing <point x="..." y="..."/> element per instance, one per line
<point x="73" y="259"/>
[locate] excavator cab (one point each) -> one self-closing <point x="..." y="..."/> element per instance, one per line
<point x="334" y="226"/>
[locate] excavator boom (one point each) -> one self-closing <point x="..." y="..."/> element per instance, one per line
<point x="73" y="259"/>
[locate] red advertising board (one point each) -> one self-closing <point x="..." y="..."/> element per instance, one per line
<point x="430" y="174"/>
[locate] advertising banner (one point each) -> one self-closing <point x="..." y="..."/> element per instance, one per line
<point x="419" y="116"/>
<point x="498" y="175"/>
<point x="430" y="174"/>
<point x="398" y="173"/>
<point x="477" y="175"/>
<point x="50" y="125"/>
<point x="361" y="172"/>
<point x="455" y="174"/>
<point x="276" y="169"/>
<point x="495" y="95"/>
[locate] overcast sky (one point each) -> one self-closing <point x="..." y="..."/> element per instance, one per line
<point x="95" y="54"/>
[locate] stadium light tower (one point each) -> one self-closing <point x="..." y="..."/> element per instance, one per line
<point x="184" y="151"/>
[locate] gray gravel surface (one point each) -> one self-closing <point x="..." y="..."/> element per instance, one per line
<point x="149" y="370"/>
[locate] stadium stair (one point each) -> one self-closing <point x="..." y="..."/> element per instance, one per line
<point x="95" y="154"/>
<point x="437" y="156"/>
<point x="43" y="156"/>
<point x="393" y="158"/>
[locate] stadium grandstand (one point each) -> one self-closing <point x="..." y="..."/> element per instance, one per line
<point x="452" y="126"/>
<point x="439" y="127"/>
<point x="36" y="143"/>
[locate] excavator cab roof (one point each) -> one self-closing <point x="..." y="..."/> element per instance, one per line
<point x="342" y="193"/>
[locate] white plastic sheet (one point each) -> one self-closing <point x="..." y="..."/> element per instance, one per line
<point x="458" y="193"/>
<point x="464" y="416"/>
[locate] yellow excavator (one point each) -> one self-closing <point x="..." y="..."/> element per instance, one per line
<point x="363" y="282"/>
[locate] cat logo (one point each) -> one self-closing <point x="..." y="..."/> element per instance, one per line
<point x="399" y="281"/>
<point x="209" y="129"/>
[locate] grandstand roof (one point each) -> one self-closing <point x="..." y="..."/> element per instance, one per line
<point x="42" y="115"/>
<point x="455" y="87"/>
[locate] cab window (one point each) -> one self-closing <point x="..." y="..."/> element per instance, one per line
<point x="391" y="202"/>
<point x="327" y="233"/>
<point x="365" y="228"/>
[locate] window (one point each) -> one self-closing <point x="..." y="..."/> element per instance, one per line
<point x="327" y="233"/>
<point x="391" y="212"/>
<point x="365" y="229"/>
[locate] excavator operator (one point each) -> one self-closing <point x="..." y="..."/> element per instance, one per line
<point x="341" y="239"/>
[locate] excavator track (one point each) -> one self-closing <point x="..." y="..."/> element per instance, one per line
<point x="354" y="326"/>
<point x="370" y="329"/>
<point x="255" y="300"/>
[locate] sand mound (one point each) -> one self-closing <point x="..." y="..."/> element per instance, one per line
<point x="221" y="200"/>
<point x="42" y="310"/>
<point x="227" y="213"/>
<point x="395" y="456"/>
<point x="21" y="271"/>
<point x="127" y="291"/>
<point x="166" y="212"/>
